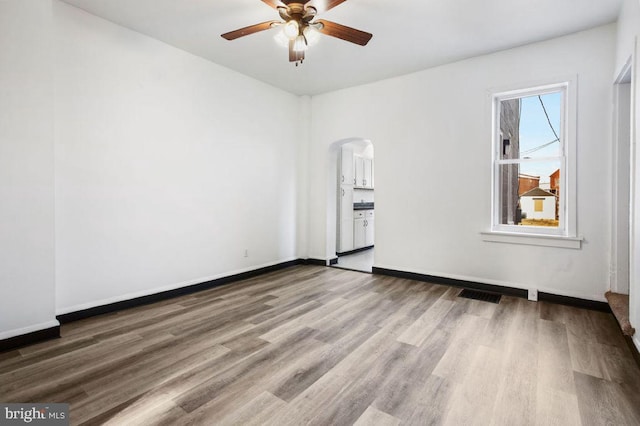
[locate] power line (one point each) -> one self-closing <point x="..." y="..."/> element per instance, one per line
<point x="548" y="121"/>
<point x="539" y="147"/>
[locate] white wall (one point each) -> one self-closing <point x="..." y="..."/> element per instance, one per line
<point x="302" y="145"/>
<point x="628" y="29"/>
<point x="167" y="166"/>
<point x="627" y="38"/>
<point x="431" y="132"/>
<point x="26" y="168"/>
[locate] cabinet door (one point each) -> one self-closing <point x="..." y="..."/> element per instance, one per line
<point x="369" y="232"/>
<point x="346" y="235"/>
<point x="367" y="173"/>
<point x="346" y="202"/>
<point x="346" y="166"/>
<point x="359" y="162"/>
<point x="358" y="233"/>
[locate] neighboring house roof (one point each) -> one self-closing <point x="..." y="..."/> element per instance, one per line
<point x="538" y="192"/>
<point x="522" y="175"/>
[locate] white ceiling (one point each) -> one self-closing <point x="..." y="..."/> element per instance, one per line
<point x="408" y="35"/>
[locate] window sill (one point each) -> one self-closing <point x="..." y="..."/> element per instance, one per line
<point x="532" y="239"/>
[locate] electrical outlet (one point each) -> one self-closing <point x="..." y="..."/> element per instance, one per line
<point x="246" y="252"/>
<point x="533" y="294"/>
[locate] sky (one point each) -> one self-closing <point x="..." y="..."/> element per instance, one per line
<point x="535" y="132"/>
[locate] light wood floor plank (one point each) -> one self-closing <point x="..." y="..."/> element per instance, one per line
<point x="556" y="408"/>
<point x="473" y="401"/>
<point x="374" y="417"/>
<point x="516" y="399"/>
<point x="423" y="326"/>
<point x="256" y="412"/>
<point x="554" y="357"/>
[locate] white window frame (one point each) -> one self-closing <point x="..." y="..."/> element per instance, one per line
<point x="566" y="234"/>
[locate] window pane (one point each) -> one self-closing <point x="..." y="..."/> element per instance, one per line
<point x="529" y="193"/>
<point x="530" y="127"/>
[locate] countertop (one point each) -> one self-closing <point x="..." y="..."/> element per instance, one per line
<point x="363" y="206"/>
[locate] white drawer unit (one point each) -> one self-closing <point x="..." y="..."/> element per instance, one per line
<point x="363" y="228"/>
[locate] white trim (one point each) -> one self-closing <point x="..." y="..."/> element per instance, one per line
<point x="618" y="274"/>
<point x="528" y="230"/>
<point x="156" y="290"/>
<point x="634" y="284"/>
<point x="558" y="241"/>
<point x="636" y="341"/>
<point x="527" y="160"/>
<point x="549" y="290"/>
<point x="568" y="205"/>
<point x="551" y="86"/>
<point x="30" y="329"/>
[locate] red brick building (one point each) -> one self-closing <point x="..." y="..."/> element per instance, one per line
<point x="527" y="182"/>
<point x="554" y="185"/>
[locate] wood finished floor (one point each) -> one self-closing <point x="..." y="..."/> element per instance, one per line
<point x="316" y="345"/>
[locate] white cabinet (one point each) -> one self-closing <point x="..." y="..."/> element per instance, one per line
<point x="368" y="173"/>
<point x="359" y="233"/>
<point x="346" y="166"/>
<point x="369" y="228"/>
<point x="346" y="180"/>
<point x="346" y="202"/>
<point x="363" y="229"/>
<point x="355" y="229"/>
<point x="346" y="235"/>
<point x="345" y="221"/>
<point x="359" y="163"/>
<point x="363" y="172"/>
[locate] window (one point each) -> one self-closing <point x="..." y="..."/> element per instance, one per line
<point x="533" y="168"/>
<point x="538" y="204"/>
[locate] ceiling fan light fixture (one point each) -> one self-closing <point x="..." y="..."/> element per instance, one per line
<point x="300" y="44"/>
<point x="312" y="34"/>
<point x="291" y="29"/>
<point x="281" y="39"/>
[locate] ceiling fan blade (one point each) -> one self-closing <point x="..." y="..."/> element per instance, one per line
<point x="293" y="55"/>
<point x="343" y="32"/>
<point x="295" y="1"/>
<point x="232" y="35"/>
<point x="273" y="3"/>
<point x="333" y="3"/>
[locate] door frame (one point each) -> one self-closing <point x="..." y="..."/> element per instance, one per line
<point x="622" y="182"/>
<point x="332" y="194"/>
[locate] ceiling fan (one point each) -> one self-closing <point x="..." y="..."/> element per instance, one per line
<point x="297" y="20"/>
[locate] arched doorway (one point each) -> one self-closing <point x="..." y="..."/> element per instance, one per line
<point x="350" y="204"/>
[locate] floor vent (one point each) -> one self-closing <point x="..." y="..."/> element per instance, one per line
<point x="480" y="295"/>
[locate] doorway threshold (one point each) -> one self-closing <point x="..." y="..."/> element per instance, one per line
<point x="361" y="261"/>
